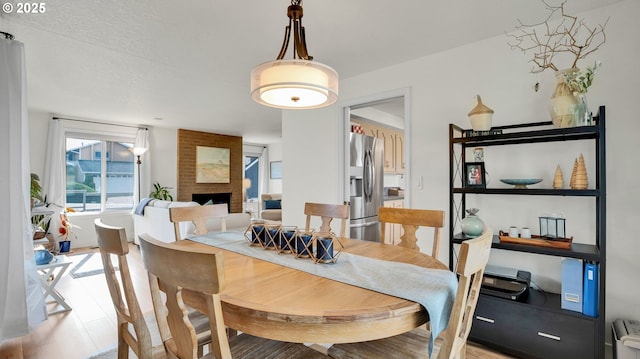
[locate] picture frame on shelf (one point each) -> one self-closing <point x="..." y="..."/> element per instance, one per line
<point x="474" y="175"/>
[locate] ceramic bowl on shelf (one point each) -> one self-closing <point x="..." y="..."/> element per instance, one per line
<point x="520" y="182"/>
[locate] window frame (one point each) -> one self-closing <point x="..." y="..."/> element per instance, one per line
<point x="103" y="138"/>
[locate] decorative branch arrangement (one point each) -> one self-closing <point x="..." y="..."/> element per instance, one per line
<point x="571" y="37"/>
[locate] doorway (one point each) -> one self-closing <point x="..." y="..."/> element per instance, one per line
<point x="384" y="117"/>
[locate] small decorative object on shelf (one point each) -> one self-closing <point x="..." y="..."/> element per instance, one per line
<point x="579" y="178"/>
<point x="474" y="175"/>
<point x="472" y="225"/>
<point x="552" y="227"/>
<point x="478" y="154"/>
<point x="328" y="248"/>
<point x="558" y="180"/>
<point x="481" y="116"/>
<point x="539" y="241"/>
<point x="472" y="133"/>
<point x="520" y="183"/>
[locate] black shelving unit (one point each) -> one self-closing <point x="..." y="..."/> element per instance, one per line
<point x="537" y="328"/>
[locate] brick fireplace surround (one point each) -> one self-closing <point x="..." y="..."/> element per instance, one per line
<point x="187" y="186"/>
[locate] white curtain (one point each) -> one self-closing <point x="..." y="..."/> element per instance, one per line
<point x="21" y="298"/>
<point x="54" y="179"/>
<point x="264" y="172"/>
<point x="142" y="140"/>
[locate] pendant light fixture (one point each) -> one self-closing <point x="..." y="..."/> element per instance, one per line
<point x="299" y="83"/>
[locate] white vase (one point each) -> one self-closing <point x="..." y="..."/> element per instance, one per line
<point x="563" y="101"/>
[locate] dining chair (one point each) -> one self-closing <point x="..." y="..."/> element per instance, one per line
<point x="411" y="219"/>
<point x="473" y="258"/>
<point x="171" y="269"/>
<point x="198" y="215"/>
<point x="327" y="212"/>
<point x="113" y="241"/>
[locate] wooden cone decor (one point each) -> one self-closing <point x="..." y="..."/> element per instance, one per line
<point x="558" y="180"/>
<point x="581" y="181"/>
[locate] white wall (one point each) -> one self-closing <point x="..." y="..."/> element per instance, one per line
<point x="312" y="161"/>
<point x="442" y="90"/>
<point x="275" y="154"/>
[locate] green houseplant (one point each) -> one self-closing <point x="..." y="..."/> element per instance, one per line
<point x="36" y="188"/>
<point x="161" y="192"/>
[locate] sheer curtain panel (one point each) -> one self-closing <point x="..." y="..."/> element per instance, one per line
<point x="21" y="298"/>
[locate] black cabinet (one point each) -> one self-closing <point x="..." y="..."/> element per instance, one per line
<point x="537" y="328"/>
<point x="529" y="330"/>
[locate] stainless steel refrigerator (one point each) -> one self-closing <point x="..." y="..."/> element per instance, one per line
<point x="366" y="186"/>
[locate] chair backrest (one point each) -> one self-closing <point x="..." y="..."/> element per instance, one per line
<point x="112" y="241"/>
<point x="411" y="219"/>
<point x="327" y="212"/>
<point x="198" y="215"/>
<point x="171" y="269"/>
<point x="474" y="255"/>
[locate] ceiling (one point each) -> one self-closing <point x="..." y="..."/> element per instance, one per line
<point x="186" y="64"/>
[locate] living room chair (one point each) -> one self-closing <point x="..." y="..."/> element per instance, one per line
<point x="172" y="268"/>
<point x="452" y="343"/>
<point x="271" y="206"/>
<point x="327" y="212"/>
<point x="410" y="220"/>
<point x="198" y="215"/>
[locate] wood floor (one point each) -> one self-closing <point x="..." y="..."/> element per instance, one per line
<point x="90" y="326"/>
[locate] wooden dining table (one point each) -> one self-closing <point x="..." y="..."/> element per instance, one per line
<point x="276" y="302"/>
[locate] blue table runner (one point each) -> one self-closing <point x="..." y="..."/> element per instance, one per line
<point x="434" y="289"/>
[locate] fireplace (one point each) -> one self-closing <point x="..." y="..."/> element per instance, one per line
<point x="215" y="198"/>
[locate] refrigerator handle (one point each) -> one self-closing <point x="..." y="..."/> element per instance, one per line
<point x="368" y="176"/>
<point x="368" y="224"/>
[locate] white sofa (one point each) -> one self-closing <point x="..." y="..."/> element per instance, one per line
<point x="155" y="221"/>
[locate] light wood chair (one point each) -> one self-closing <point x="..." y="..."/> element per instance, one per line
<point x="411" y="219"/>
<point x="198" y="215"/>
<point x="172" y="268"/>
<point x="327" y="212"/>
<point x="113" y="241"/>
<point x="451" y="343"/>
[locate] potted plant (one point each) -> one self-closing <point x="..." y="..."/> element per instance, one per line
<point x="66" y="230"/>
<point x="161" y="192"/>
<point x="36" y="189"/>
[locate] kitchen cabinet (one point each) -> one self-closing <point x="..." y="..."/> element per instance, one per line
<point x="369" y="129"/>
<point x="399" y="152"/>
<point x="389" y="139"/>
<point x="394" y="230"/>
<point x="537" y="328"/>
<point x="393" y="145"/>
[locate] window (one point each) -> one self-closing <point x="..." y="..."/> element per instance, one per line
<point x="252" y="174"/>
<point x="96" y="182"/>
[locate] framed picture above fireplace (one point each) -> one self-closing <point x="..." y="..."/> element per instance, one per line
<point x="212" y="165"/>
